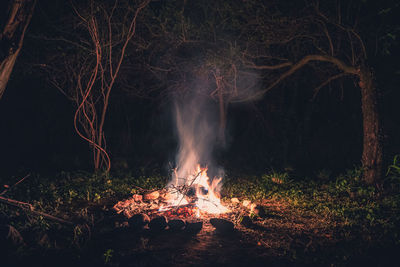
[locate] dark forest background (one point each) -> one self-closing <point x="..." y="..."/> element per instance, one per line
<point x="287" y="128"/>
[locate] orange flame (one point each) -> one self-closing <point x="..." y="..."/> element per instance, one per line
<point x="208" y="199"/>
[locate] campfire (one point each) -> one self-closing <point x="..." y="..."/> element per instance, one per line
<point x="195" y="197"/>
<point x="196" y="190"/>
<point x="191" y="195"/>
<point x="184" y="204"/>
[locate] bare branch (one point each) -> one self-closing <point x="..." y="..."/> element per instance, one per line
<point x="305" y="60"/>
<point x="332" y="78"/>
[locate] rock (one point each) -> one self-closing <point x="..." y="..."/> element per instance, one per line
<point x="158" y="223"/>
<point x="222" y="225"/>
<point x="246" y="203"/>
<point x="246" y="221"/>
<point x="194" y="227"/>
<point x="152" y="196"/>
<point x="137" y="198"/>
<point x="176" y="225"/>
<point x="259" y="211"/>
<point x="235" y="200"/>
<point x="138" y="221"/>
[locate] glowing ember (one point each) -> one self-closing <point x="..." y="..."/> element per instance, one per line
<point x="180" y="211"/>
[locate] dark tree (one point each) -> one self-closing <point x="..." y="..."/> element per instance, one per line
<point x="223" y="43"/>
<point x="87" y="67"/>
<point x="12" y="37"/>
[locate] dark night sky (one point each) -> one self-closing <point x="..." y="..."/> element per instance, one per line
<point x="285" y="128"/>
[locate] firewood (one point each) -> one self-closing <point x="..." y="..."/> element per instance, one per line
<point x="28" y="207"/>
<point x="152" y="196"/>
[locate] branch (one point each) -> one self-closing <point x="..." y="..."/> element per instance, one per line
<point x="28" y="207"/>
<point x="269" y="67"/>
<point x="316" y="90"/>
<point x="18" y="182"/>
<point x="305" y="60"/>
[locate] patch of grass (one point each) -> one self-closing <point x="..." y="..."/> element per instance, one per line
<point x="345" y="199"/>
<point x="359" y="211"/>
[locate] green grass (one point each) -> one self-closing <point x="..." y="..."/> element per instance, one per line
<point x="344" y="199"/>
<point x="71" y="196"/>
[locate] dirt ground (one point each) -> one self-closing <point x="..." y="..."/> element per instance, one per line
<point x="275" y="239"/>
<point x="282" y="237"/>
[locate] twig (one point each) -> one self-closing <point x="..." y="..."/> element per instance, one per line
<point x="28" y="207"/>
<point x="183" y="195"/>
<point x="10" y="187"/>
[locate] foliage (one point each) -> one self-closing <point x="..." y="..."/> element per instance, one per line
<point x="392" y="179"/>
<point x="346" y="198"/>
<point x="82" y="197"/>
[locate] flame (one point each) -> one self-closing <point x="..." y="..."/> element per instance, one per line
<point x="207" y="198"/>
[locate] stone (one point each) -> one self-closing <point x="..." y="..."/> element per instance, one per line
<point x="176" y="224"/>
<point x="137" y="198"/>
<point x="222" y="225"/>
<point x="235" y="200"/>
<point x="158" y="223"/>
<point x="194" y="227"/>
<point x="246" y="203"/>
<point x="152" y="196"/>
<point x="246" y="221"/>
<point x="138" y="221"/>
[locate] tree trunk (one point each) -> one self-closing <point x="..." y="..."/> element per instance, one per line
<point x="372" y="156"/>
<point x="12" y="37"/>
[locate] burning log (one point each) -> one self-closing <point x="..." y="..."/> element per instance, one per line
<point x="182" y="211"/>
